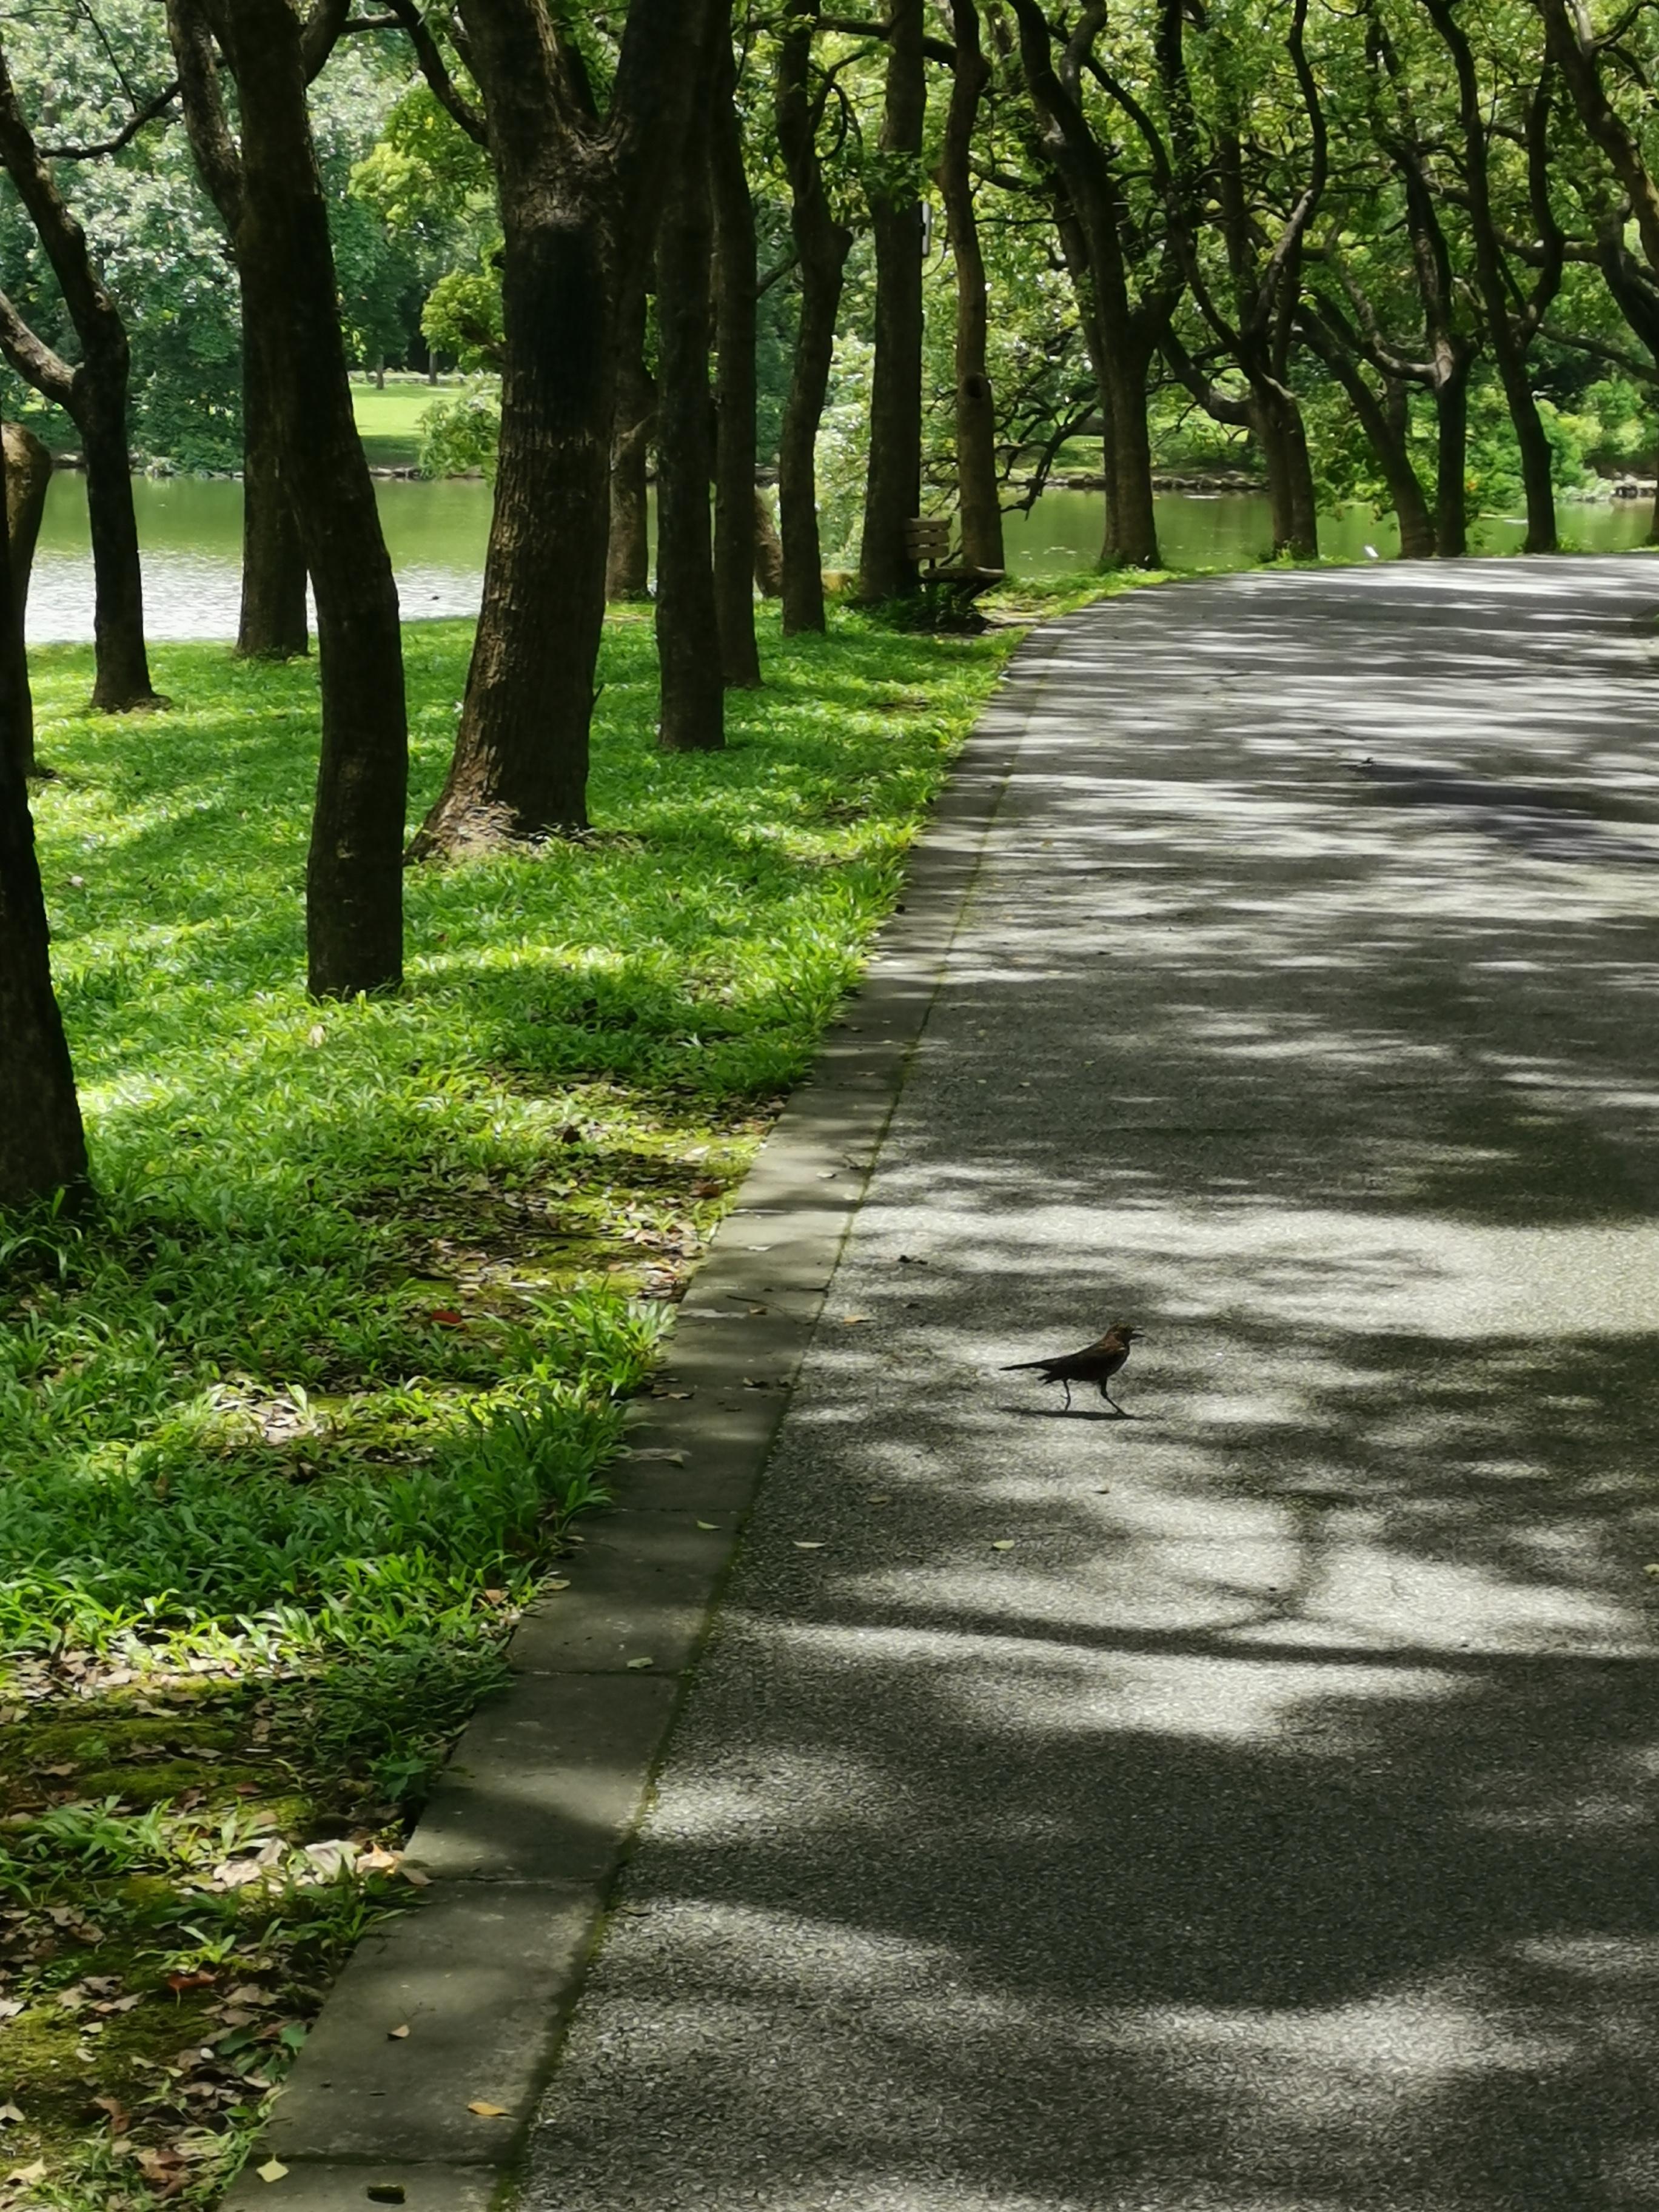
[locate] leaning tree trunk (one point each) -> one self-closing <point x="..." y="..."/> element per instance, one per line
<point x="688" y="612"/>
<point x="1386" y="425"/>
<point x="735" y="386"/>
<point x="822" y="245"/>
<point x="354" y="876"/>
<point x="978" y="493"/>
<point x="27" y="466"/>
<point x="42" y="1147"/>
<point x="273" y="625"/>
<point x="887" y="568"/>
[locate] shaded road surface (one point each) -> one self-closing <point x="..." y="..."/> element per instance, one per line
<point x="1270" y="1829"/>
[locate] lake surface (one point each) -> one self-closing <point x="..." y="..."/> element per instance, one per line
<point x="191" y="532"/>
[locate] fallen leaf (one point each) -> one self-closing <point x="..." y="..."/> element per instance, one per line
<point x="708" y="1524"/>
<point x="673" y="1458"/>
<point x="9" y="2115"/>
<point x="878" y="1501"/>
<point x="486" y="2111"/>
<point x="272" y="2170"/>
<point x="414" y="1878"/>
<point x="852" y="1320"/>
<point x="36" y="2172"/>
<point x="66" y="1769"/>
<point x="119" y="2118"/>
<point x="635" y="1665"/>
<point x="10" y="2007"/>
<point x="809" y="1544"/>
<point x="446" y="1317"/>
<point x="316" y="1035"/>
<point x="557" y="1582"/>
<point x="397" y="2034"/>
<point x="1003" y="1544"/>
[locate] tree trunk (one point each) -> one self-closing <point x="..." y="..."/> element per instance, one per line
<point x="1537" y="473"/>
<point x="354" y="877"/>
<point x="1451" y="502"/>
<point x="274" y="617"/>
<point x="42" y="1147"/>
<point x="1129" y="455"/>
<point x="688" y="611"/>
<point x="1121" y="336"/>
<point x="822" y="244"/>
<point x="628" y="557"/>
<point x="1283" y="437"/>
<point x="122" y="680"/>
<point x="887" y="569"/>
<point x="520" y="764"/>
<point x="1386" y="423"/>
<point x="769" y="550"/>
<point x="94" y="392"/>
<point x="578" y="197"/>
<point x="27" y="466"/>
<point x="735" y="386"/>
<point x="978" y="493"/>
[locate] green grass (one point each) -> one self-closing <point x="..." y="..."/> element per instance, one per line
<point x="294" y="1424"/>
<point x="389" y="420"/>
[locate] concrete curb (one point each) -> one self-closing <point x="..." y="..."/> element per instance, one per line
<point x="529" y="1822"/>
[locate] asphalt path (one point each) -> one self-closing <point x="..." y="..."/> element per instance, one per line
<point x="1244" y="1805"/>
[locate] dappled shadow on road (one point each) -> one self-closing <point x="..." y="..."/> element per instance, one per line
<point x="1245" y="1807"/>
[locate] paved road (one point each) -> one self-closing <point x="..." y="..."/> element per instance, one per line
<point x="1269" y="1829"/>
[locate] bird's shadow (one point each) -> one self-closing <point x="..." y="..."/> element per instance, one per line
<point x="1063" y="1413"/>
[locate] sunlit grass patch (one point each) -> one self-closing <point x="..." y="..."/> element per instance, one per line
<point x="294" y="1424"/>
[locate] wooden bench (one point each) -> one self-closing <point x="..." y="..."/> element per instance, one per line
<point x="927" y="542"/>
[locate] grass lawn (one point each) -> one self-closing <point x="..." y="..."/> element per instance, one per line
<point x="389" y="422"/>
<point x="293" y="1425"/>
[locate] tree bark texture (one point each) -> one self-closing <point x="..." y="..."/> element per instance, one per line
<point x="628" y="557"/>
<point x="978" y="493"/>
<point x="1451" y="492"/>
<point x="689" y="637"/>
<point x="1385" y="420"/>
<point x="42" y="1147"/>
<point x="887" y="569"/>
<point x="354" y="877"/>
<point x="735" y="383"/>
<point x="769" y="550"/>
<point x="1510" y="326"/>
<point x="94" y="392"/>
<point x="273" y="624"/>
<point x="578" y="195"/>
<point x="1122" y="335"/>
<point x="822" y="245"/>
<point x="28" y="477"/>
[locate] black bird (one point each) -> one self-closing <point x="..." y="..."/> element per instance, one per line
<point x="1097" y="1363"/>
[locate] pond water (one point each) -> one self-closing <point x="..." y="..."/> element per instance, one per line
<point x="191" y="536"/>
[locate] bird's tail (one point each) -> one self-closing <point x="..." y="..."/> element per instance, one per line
<point x="1024" y="1366"/>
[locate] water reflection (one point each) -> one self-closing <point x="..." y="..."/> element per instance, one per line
<point x="436" y="532"/>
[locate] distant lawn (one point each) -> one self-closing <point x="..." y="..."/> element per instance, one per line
<point x="292" y="1428"/>
<point x="389" y="422"/>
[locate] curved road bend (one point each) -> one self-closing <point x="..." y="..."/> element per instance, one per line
<point x="1270" y="1829"/>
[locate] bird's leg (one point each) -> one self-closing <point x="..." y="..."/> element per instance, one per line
<point x="1113" y="1403"/>
<point x="1067" y="1387"/>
